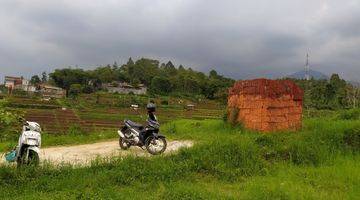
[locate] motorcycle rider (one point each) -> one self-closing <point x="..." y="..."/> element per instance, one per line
<point x="151" y="108"/>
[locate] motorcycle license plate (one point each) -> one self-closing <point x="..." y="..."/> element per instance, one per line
<point x="31" y="142"/>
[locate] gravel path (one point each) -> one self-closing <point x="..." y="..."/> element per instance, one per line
<point x="83" y="154"/>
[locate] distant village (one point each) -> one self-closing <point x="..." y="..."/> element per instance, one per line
<point x="48" y="91"/>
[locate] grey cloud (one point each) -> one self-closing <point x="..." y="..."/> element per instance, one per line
<point x="241" y="39"/>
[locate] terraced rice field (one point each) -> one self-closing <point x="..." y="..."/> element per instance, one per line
<point x="23" y="102"/>
<point x="56" y="120"/>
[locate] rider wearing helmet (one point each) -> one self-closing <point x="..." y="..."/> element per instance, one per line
<point x="151" y="107"/>
<point x="152" y="119"/>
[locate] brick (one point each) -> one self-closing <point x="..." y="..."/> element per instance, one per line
<point x="267" y="105"/>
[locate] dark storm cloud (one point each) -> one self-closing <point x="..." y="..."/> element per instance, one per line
<point x="241" y="39"/>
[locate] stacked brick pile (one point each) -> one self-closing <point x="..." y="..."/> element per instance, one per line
<point x="266" y="105"/>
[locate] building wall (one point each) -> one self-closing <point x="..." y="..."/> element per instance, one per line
<point x="9" y="84"/>
<point x="127" y="90"/>
<point x="53" y="92"/>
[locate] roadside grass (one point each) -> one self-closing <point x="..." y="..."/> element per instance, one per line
<point x="70" y="138"/>
<point x="74" y="138"/>
<point x="319" y="162"/>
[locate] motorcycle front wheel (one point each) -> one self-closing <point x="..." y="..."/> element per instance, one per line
<point x="124" y="145"/>
<point x="33" y="159"/>
<point x="155" y="146"/>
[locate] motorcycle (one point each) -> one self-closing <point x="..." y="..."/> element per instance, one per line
<point x="28" y="148"/>
<point x="148" y="137"/>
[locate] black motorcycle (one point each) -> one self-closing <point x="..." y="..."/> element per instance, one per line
<point x="134" y="134"/>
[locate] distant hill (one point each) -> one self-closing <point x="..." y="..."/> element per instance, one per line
<point x="314" y="74"/>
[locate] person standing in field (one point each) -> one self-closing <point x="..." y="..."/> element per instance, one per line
<point x="151" y="108"/>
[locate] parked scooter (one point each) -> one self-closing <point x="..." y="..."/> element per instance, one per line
<point x="28" y="148"/>
<point x="134" y="134"/>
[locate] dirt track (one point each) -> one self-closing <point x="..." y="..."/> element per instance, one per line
<point x="83" y="154"/>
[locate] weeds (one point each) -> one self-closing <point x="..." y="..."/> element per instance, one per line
<point x="351" y="114"/>
<point x="226" y="163"/>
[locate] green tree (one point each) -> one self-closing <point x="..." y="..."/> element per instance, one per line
<point x="44" y="77"/>
<point x="213" y="74"/>
<point x="339" y="86"/>
<point x="160" y="85"/>
<point x="170" y="69"/>
<point x="75" y="90"/>
<point x="64" y="78"/>
<point x="162" y="79"/>
<point x="35" y="80"/>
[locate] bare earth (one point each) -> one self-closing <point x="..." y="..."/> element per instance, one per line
<point x="84" y="154"/>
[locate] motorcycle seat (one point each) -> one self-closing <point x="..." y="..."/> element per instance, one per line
<point x="133" y="124"/>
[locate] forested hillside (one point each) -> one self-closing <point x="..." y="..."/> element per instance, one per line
<point x="169" y="80"/>
<point x="160" y="78"/>
<point x="335" y="93"/>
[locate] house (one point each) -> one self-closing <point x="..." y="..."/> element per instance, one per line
<point x="11" y="82"/>
<point x="18" y="83"/>
<point x="48" y="91"/>
<point x="125" y="88"/>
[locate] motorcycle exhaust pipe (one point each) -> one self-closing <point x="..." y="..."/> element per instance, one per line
<point x="121" y="134"/>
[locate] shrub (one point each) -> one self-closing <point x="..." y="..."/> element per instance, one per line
<point x="352" y="138"/>
<point x="75" y="90"/>
<point x="10" y="122"/>
<point x="352" y="114"/>
<point x="164" y="102"/>
<point x="233" y="115"/>
<point x="76" y="129"/>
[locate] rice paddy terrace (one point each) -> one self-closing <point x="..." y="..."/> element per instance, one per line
<point x="57" y="117"/>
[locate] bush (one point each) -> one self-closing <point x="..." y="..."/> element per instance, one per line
<point x="352" y="114"/>
<point x="76" y="129"/>
<point x="164" y="102"/>
<point x="75" y="90"/>
<point x="10" y="122"/>
<point x="352" y="138"/>
<point x="233" y="115"/>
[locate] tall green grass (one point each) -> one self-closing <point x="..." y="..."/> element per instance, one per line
<point x="226" y="162"/>
<point x="72" y="137"/>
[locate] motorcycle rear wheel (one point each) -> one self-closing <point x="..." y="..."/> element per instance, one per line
<point x="155" y="150"/>
<point x="124" y="145"/>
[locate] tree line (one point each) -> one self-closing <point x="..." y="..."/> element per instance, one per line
<point x="160" y="78"/>
<point x="166" y="79"/>
<point x="334" y="93"/>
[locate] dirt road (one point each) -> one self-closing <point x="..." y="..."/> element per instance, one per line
<point x="83" y="154"/>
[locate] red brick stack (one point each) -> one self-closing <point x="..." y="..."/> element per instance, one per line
<point x="267" y="105"/>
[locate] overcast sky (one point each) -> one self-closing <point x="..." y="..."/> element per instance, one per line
<point x="238" y="38"/>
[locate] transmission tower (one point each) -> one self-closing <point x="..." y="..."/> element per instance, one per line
<point x="307" y="68"/>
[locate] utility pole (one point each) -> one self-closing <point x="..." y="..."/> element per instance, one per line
<point x="307" y="80"/>
<point x="307" y="68"/>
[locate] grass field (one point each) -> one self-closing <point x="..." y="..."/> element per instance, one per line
<point x="96" y="117"/>
<point x="106" y="112"/>
<point x="319" y="162"/>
